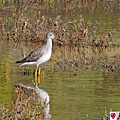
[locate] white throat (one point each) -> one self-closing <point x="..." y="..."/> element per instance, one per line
<point x="49" y="42"/>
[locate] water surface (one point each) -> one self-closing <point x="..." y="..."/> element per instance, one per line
<point x="83" y="96"/>
<point x="72" y="97"/>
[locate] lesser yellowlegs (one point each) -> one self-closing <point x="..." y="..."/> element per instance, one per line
<point x="40" y="55"/>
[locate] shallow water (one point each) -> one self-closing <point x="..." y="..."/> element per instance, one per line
<point x="80" y="97"/>
<point x="83" y="96"/>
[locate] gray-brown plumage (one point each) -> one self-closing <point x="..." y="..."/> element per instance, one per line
<point x="40" y="55"/>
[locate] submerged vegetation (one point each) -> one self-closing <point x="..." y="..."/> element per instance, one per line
<point x="23" y="107"/>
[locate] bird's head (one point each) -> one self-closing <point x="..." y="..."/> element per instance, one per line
<point x="50" y="35"/>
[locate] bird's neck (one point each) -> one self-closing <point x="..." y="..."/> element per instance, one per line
<point x="49" y="42"/>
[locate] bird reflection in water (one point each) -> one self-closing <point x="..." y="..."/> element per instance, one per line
<point x="40" y="94"/>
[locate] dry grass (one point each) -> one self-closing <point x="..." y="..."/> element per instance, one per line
<point x="19" y="24"/>
<point x="23" y="108"/>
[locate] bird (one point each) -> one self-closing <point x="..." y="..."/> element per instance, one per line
<point x="37" y="94"/>
<point x="39" y="55"/>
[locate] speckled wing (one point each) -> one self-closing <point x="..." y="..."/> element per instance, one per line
<point x="33" y="56"/>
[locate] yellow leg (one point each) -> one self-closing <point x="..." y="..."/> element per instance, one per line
<point x="36" y="71"/>
<point x="35" y="76"/>
<point x="38" y="75"/>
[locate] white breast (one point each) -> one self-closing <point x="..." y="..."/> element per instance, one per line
<point x="45" y="57"/>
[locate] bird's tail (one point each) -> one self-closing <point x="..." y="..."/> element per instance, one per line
<point x="18" y="62"/>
